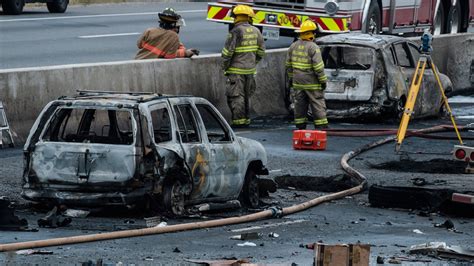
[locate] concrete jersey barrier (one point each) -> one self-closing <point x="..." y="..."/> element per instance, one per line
<point x="25" y="91"/>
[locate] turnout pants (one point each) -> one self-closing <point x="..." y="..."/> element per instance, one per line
<point x="239" y="89"/>
<point x="315" y="99"/>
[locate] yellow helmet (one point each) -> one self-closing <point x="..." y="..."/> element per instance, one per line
<point x="242" y="10"/>
<point x="307" y="25"/>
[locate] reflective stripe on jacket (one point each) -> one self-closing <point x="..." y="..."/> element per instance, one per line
<point x="305" y="65"/>
<point x="158" y="43"/>
<point x="243" y="49"/>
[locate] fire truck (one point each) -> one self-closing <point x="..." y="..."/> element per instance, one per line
<point x="281" y="18"/>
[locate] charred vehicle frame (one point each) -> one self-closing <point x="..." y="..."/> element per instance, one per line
<point x="369" y="77"/>
<point x="106" y="149"/>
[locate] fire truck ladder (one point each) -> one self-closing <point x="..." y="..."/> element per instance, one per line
<point x="413" y="93"/>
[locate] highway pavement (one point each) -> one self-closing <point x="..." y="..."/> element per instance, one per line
<point x="391" y="232"/>
<point x="99" y="33"/>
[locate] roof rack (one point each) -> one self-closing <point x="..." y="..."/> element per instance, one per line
<point x="132" y="93"/>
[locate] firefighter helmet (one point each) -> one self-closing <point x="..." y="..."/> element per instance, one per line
<point x="169" y="15"/>
<point x="242" y="10"/>
<point x="307" y="25"/>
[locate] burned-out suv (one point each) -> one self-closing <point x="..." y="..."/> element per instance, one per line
<point x="104" y="148"/>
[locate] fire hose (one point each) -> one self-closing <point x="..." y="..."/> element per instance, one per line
<point x="272" y="212"/>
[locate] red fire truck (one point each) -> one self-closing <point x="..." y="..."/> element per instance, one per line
<point x="281" y="18"/>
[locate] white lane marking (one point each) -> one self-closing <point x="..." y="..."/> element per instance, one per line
<point x="267" y="225"/>
<point x="108" y="35"/>
<point x="96" y="16"/>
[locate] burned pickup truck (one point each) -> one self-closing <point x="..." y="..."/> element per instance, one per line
<point x="106" y="149"/>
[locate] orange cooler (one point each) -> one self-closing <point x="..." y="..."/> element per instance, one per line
<point x="309" y="140"/>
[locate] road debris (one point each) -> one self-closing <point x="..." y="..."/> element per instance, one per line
<point x="76" y="213"/>
<point x="441" y="249"/>
<point x="33" y="252"/>
<point x="417" y="231"/>
<point x="54" y="219"/>
<point x="408" y="197"/>
<point x="216" y="206"/>
<point x="341" y="254"/>
<point x="176" y="250"/>
<point x="448" y="224"/>
<point x="152" y="221"/>
<point x="224" y="261"/>
<point x="380" y="260"/>
<point x="273" y="235"/>
<point x="246" y="236"/>
<point x="8" y="220"/>
<point x="247" y="244"/>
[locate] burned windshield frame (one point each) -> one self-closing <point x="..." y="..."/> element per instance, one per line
<point x="112" y="119"/>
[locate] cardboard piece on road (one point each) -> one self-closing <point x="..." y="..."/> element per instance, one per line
<point x="341" y="254"/>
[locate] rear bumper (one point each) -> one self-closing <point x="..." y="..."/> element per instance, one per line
<point x="85" y="199"/>
<point x="358" y="111"/>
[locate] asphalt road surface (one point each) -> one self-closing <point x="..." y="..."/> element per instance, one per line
<point x="349" y="220"/>
<point x="99" y="33"/>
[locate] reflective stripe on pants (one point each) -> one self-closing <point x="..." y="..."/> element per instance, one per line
<point x="239" y="89"/>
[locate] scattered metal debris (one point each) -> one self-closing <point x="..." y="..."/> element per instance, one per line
<point x="8" y="220"/>
<point x="76" y="213"/>
<point x="441" y="249"/>
<point x="273" y="235"/>
<point x="223" y="262"/>
<point x="246" y="236"/>
<point x="417" y="231"/>
<point x="216" y="206"/>
<point x="152" y="221"/>
<point x="247" y="244"/>
<point x="448" y="224"/>
<point x="380" y="260"/>
<point x="33" y="252"/>
<point x="54" y="219"/>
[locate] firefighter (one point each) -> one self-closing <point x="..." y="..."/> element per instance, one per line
<point x="243" y="49"/>
<point x="163" y="42"/>
<point x="305" y="67"/>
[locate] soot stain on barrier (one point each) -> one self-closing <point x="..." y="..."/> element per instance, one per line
<point x="316" y="183"/>
<point x="439" y="166"/>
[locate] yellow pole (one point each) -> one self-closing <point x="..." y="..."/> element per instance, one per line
<point x="410" y="104"/>
<point x="445" y="100"/>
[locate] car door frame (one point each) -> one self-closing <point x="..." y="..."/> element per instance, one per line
<point x="230" y="176"/>
<point x="196" y="154"/>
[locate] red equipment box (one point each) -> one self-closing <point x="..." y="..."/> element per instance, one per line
<point x="309" y="140"/>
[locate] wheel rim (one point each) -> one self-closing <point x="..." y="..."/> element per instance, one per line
<point x="253" y="193"/>
<point x="177" y="199"/>
<point x="438" y="25"/>
<point x="454" y="21"/>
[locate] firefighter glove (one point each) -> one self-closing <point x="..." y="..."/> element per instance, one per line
<point x="323" y="85"/>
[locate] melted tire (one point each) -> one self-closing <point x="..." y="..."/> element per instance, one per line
<point x="408" y="197"/>
<point x="12" y="7"/>
<point x="250" y="196"/>
<point x="57" y="6"/>
<point x="173" y="198"/>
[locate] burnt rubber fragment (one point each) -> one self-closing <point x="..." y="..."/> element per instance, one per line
<point x="408" y="197"/>
<point x="8" y="220"/>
